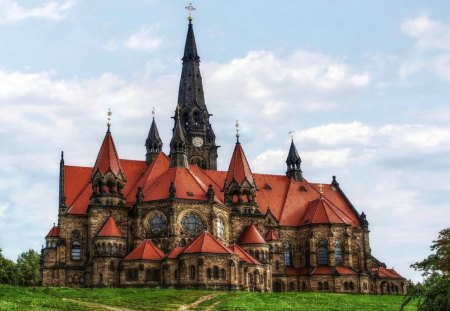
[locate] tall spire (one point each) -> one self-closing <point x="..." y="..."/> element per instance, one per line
<point x="153" y="143"/>
<point x="178" y="144"/>
<point x="200" y="138"/>
<point x="62" y="199"/>
<point x="293" y="162"/>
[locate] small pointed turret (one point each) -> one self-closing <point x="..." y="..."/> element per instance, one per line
<point x="107" y="174"/>
<point x="293" y="162"/>
<point x="153" y="143"/>
<point x="239" y="183"/>
<point x="62" y="198"/>
<point x="178" y="155"/>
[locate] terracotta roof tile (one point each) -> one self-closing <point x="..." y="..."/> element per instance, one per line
<point x="320" y="211"/>
<point x="173" y="254"/>
<point x="322" y="270"/>
<point x="345" y="270"/>
<point x="239" y="169"/>
<point x="107" y="157"/>
<point x="53" y="233"/>
<point x="244" y="255"/>
<point x="206" y="243"/>
<point x="251" y="235"/>
<point x="297" y="271"/>
<point x="271" y="235"/>
<point x="110" y="229"/>
<point x="146" y="251"/>
<point x="386" y="273"/>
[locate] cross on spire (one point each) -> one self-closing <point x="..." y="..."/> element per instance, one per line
<point x="236" y="125"/>
<point x="292" y="134"/>
<point x="190" y="9"/>
<point x="109" y="119"/>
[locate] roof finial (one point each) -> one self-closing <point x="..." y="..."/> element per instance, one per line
<point x="109" y="119"/>
<point x="292" y="135"/>
<point x="190" y="8"/>
<point x="153" y="112"/>
<point x="321" y="189"/>
<point x="236" y="125"/>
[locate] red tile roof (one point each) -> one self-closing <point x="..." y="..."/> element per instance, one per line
<point x="251" y="235"/>
<point x="206" y="243"/>
<point x="271" y="235"/>
<point x="322" y="270"/>
<point x="289" y="200"/>
<point x="107" y="157"/>
<point x="173" y="254"/>
<point x="53" y="233"/>
<point x="146" y="251"/>
<point x="244" y="255"/>
<point x="320" y="211"/>
<point x="386" y="273"/>
<point x="239" y="169"/>
<point x="345" y="270"/>
<point x="110" y="229"/>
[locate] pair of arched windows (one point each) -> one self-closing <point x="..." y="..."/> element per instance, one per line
<point x="323" y="286"/>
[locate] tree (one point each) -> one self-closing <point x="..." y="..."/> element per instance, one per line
<point x="7" y="270"/>
<point x="434" y="293"/>
<point x="28" y="264"/>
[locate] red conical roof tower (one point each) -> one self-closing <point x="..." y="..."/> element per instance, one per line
<point x="110" y="229"/>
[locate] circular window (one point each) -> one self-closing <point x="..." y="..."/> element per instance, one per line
<point x="157" y="224"/>
<point x="192" y="223"/>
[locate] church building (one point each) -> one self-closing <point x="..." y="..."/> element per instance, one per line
<point x="176" y="221"/>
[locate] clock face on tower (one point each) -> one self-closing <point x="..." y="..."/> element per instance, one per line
<point x="197" y="141"/>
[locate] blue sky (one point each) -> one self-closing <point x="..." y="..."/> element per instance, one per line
<point x="365" y="86"/>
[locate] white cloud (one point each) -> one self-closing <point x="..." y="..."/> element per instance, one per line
<point x="428" y="33"/>
<point x="337" y="133"/>
<point x="144" y="40"/>
<point x="13" y="11"/>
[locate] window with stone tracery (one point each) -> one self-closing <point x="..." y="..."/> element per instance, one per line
<point x="322" y="253"/>
<point x="219" y="227"/>
<point x="192" y="223"/>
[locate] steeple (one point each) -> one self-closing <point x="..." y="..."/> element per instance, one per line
<point x="293" y="162"/>
<point x="178" y="145"/>
<point x="107" y="175"/>
<point x="153" y="143"/>
<point x="200" y="138"/>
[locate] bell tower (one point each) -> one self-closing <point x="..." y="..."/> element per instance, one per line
<point x="201" y="146"/>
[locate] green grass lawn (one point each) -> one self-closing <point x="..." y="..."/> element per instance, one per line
<point x="20" y="298"/>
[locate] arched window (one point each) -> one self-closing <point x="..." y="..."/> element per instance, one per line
<point x="319" y="286"/>
<point x="291" y="286"/>
<point x="175" y="274"/>
<point x="216" y="272"/>
<point x="222" y="274"/>
<point x="76" y="246"/>
<point x="219" y="227"/>
<point x="351" y="286"/>
<point x="345" y="285"/>
<point x="75" y="279"/>
<point x="338" y="253"/>
<point x="325" y="285"/>
<point x="69" y="280"/>
<point x="192" y="272"/>
<point x="112" y="266"/>
<point x="303" y="286"/>
<point x="322" y="253"/>
<point x="287" y="254"/>
<point x="277" y="265"/>
<point x="209" y="273"/>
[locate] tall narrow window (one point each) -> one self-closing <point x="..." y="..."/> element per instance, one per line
<point x="287" y="254"/>
<point x="192" y="272"/>
<point x="338" y="253"/>
<point x="322" y="253"/>
<point x="76" y="246"/>
<point x="219" y="226"/>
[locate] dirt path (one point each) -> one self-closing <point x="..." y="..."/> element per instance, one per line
<point x="98" y="306"/>
<point x="195" y="304"/>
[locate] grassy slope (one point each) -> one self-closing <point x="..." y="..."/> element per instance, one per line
<point x="18" y="298"/>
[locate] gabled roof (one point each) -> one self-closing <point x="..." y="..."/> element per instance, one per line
<point x="174" y="253"/>
<point x="239" y="169"/>
<point x="320" y="211"/>
<point x="342" y="270"/>
<point x="251" y="235"/>
<point x="146" y="251"/>
<point x="322" y="270"/>
<point x="206" y="243"/>
<point x="53" y="233"/>
<point x="110" y="229"/>
<point x="271" y="235"/>
<point x="244" y="255"/>
<point x="384" y="273"/>
<point x="107" y="157"/>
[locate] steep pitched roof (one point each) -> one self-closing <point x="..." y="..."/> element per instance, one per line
<point x="251" y="235"/>
<point x="53" y="233"/>
<point x="382" y="272"/>
<point x="271" y="235"/>
<point x="146" y="251"/>
<point x="320" y="211"/>
<point x="293" y="156"/>
<point x="174" y="253"/>
<point x="110" y="229"/>
<point x="107" y="157"/>
<point x="206" y="243"/>
<point x="244" y="255"/>
<point x="239" y="169"/>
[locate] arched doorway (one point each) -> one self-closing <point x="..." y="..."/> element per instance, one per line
<point x="277" y="286"/>
<point x="385" y="288"/>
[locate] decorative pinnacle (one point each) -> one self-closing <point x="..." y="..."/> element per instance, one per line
<point x="190" y="8"/>
<point x="236" y="125"/>
<point x="321" y="189"/>
<point x="109" y="118"/>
